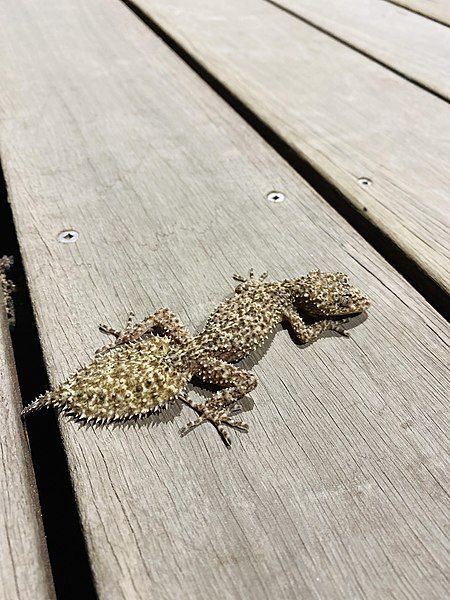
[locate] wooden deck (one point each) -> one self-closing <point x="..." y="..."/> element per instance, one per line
<point x="155" y="131"/>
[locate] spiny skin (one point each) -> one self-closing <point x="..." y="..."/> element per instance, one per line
<point x="130" y="380"/>
<point x="142" y="372"/>
<point x="8" y="287"/>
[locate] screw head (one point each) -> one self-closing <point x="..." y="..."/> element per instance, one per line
<point x="275" y="196"/>
<point x="68" y="236"/>
<point x="364" y="181"/>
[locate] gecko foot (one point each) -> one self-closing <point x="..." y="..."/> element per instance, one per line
<point x="337" y="327"/>
<point x="122" y="336"/>
<point x="251" y="275"/>
<point x="216" y="413"/>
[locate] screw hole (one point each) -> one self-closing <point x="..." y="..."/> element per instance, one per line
<point x="275" y="197"/>
<point x="364" y="181"/>
<point x="68" y="237"/>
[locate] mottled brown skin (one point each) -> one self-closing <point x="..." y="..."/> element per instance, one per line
<point x="7" y="287"/>
<point x="142" y="372"/>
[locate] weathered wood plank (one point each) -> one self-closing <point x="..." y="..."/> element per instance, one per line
<point x="402" y="40"/>
<point x="434" y="9"/>
<point x="339" y="488"/>
<point x="24" y="566"/>
<point x="351" y="118"/>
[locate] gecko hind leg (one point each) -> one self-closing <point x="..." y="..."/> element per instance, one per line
<point x="217" y="410"/>
<point x="117" y="332"/>
<point x="163" y="319"/>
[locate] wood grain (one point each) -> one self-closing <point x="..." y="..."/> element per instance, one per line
<point x="24" y="566"/>
<point x="404" y="41"/>
<point x="438" y="10"/>
<point x="351" y="118"/>
<point x="339" y="489"/>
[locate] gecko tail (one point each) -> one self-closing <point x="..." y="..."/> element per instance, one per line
<point x="43" y="401"/>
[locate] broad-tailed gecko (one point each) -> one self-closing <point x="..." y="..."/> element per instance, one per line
<point x="142" y="372"/>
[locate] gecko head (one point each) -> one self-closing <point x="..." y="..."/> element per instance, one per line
<point x="329" y="295"/>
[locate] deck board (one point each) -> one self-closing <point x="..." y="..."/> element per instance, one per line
<point x="24" y="567"/>
<point x="349" y="117"/>
<point x="338" y="489"/>
<point x="439" y="10"/>
<point x="404" y="41"/>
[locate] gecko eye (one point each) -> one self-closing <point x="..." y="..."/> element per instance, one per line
<point x="345" y="300"/>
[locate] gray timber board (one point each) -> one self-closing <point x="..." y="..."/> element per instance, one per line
<point x="352" y="119"/>
<point x="24" y="567"/>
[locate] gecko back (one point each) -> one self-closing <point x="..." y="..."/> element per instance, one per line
<point x="130" y="380"/>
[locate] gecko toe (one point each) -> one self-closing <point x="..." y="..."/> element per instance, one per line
<point x="218" y="418"/>
<point x="241" y="425"/>
<point x="108" y="330"/>
<point x="341" y="331"/>
<point x="191" y="425"/>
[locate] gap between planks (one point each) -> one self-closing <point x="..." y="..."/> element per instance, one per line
<point x="438" y="10"/>
<point x="62" y="530"/>
<point x="405" y="43"/>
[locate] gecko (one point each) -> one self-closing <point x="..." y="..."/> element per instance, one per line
<point x="149" y="364"/>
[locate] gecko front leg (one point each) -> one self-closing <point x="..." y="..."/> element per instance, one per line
<point x="218" y="409"/>
<point x="163" y="319"/>
<point x="251" y="275"/>
<point x="246" y="283"/>
<point x="309" y="333"/>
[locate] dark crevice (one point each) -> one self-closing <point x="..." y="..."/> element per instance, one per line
<point x="417" y="12"/>
<point x="407" y="267"/>
<point x="67" y="551"/>
<point x="385" y="65"/>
